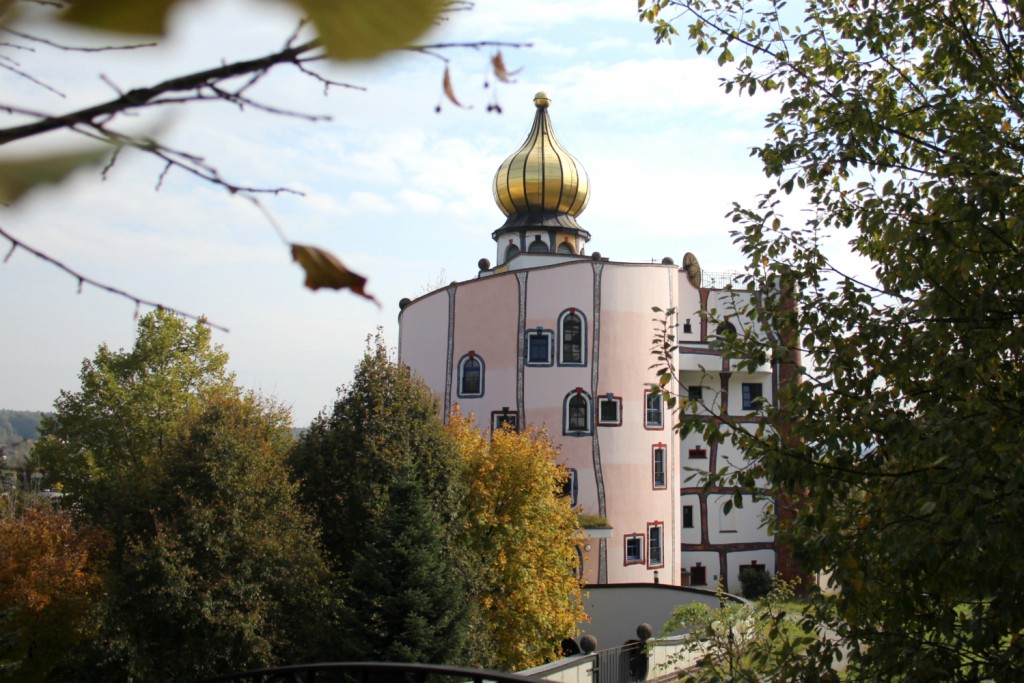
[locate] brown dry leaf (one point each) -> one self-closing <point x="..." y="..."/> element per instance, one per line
<point x="362" y="29"/>
<point x="500" y="72"/>
<point x="448" y="91"/>
<point x="323" y="269"/>
<point x="121" y="16"/>
<point x="18" y="177"/>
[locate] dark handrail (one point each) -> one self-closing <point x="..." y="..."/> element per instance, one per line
<point x="368" y="672"/>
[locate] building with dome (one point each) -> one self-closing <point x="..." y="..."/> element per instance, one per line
<point x="554" y="336"/>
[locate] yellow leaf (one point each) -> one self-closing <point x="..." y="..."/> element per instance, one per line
<point x="500" y="72"/>
<point x="323" y="269"/>
<point x="361" y="29"/>
<point x="448" y="91"/>
<point x="121" y="16"/>
<point x="18" y="177"/>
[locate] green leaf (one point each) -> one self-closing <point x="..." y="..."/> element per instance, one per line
<point x="120" y="16"/>
<point x="18" y="177"/>
<point x="363" y="29"/>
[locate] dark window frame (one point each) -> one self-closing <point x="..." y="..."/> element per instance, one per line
<point x="750" y="396"/>
<point x="572" y="343"/>
<point x="505" y="415"/>
<point x="688" y="517"/>
<point x="471" y="359"/>
<point x="570" y="414"/>
<point x="548" y="337"/>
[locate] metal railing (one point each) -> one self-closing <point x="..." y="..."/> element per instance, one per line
<point x="368" y="672"/>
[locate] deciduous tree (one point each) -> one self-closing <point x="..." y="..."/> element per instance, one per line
<point x="902" y="123"/>
<point x="51" y="582"/>
<point x="522" y="533"/>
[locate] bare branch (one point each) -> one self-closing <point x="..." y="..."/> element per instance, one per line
<point x="83" y="280"/>
<point x="73" y="48"/>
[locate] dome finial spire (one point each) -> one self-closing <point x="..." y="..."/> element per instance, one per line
<point x="541" y="185"/>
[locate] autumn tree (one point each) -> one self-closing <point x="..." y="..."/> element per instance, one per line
<point x="522" y="533"/>
<point x="51" y="581"/>
<point x="902" y="125"/>
<point x="383" y="478"/>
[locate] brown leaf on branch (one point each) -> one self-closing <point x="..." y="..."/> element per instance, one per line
<point x="323" y="269"/>
<point x="500" y="72"/>
<point x="449" y="92"/>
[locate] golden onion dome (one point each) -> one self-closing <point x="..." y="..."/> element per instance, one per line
<point x="541" y="184"/>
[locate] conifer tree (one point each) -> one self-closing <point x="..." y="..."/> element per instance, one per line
<point x="383" y="478"/>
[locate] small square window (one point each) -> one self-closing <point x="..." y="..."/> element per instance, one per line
<point x="695" y="392"/>
<point x="609" y="411"/>
<point x="687" y="516"/>
<point x="698" y="453"/>
<point x="660" y="476"/>
<point x="539" y="347"/>
<point x="751" y="392"/>
<point x="635" y="549"/>
<point x="505" y="418"/>
<point x="653" y="417"/>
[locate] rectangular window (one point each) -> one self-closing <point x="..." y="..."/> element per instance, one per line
<point x="539" y="347"/>
<point x="655" y="531"/>
<point x="695" y="393"/>
<point x="609" y="411"/>
<point x="698" y="575"/>
<point x="652" y="409"/>
<point x="751" y="392"/>
<point x="687" y="516"/>
<point x="570" y="488"/>
<point x="634" y="549"/>
<point x="658" y="466"/>
<point x="698" y="453"/>
<point x="505" y="418"/>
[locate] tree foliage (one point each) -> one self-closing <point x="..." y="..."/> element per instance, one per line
<point x="383" y="478"/>
<point x="129" y="408"/>
<point x="51" y="580"/>
<point x="214" y="567"/>
<point x="901" y="123"/>
<point x="522" y="533"/>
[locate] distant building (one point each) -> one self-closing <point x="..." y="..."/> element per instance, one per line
<point x="553" y="336"/>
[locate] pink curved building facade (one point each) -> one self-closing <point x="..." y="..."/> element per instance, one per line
<point x="559" y="339"/>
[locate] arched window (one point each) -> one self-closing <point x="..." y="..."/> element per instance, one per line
<point x="572" y="338"/>
<point x="577" y="413"/>
<point x="538" y="246"/>
<point x="471" y="376"/>
<point x="511" y="251"/>
<point x="726" y="330"/>
<point x="565" y="248"/>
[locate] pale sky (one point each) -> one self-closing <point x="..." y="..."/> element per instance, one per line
<point x="398" y="192"/>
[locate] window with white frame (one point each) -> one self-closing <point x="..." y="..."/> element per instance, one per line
<point x="653" y="414"/>
<point x="751" y="392"/>
<point x="539" y="347"/>
<point x="577" y="413"/>
<point x="609" y="410"/>
<point x="634" y="549"/>
<point x="572" y="338"/>
<point x="471" y="376"/>
<point x="659" y="473"/>
<point x="655" y="544"/>
<point x="504" y="419"/>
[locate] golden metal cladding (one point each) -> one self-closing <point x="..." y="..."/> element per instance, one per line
<point x="541" y="176"/>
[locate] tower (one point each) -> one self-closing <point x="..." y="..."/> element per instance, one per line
<point x="553" y="337"/>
